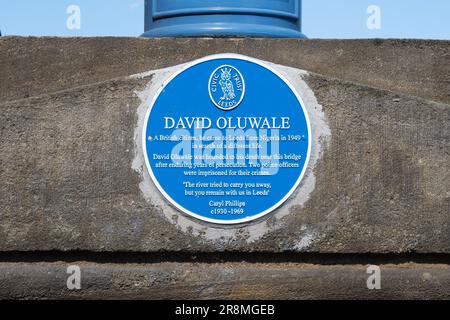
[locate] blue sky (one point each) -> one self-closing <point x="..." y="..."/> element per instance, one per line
<point x="423" y="19"/>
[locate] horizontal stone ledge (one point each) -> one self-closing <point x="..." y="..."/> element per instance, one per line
<point x="32" y="66"/>
<point x="221" y="281"/>
<point x="307" y="258"/>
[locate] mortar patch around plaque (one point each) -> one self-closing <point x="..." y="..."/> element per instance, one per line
<point x="227" y="139"/>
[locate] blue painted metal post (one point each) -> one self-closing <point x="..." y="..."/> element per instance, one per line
<point x="223" y="18"/>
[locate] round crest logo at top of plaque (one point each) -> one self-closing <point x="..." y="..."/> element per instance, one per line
<point x="226" y="87"/>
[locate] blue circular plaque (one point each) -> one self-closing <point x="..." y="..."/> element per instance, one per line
<point x="227" y="139"/>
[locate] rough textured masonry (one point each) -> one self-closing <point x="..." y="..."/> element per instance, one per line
<point x="70" y="178"/>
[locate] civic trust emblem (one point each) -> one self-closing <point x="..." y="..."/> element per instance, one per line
<point x="226" y="87"/>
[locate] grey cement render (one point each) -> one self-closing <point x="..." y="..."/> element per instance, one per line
<point x="32" y="66"/>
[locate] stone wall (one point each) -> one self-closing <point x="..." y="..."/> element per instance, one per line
<point x="74" y="191"/>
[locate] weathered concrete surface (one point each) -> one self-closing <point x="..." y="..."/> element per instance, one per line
<point x="69" y="112"/>
<point x="292" y="281"/>
<point x="32" y="66"/>
<point x="67" y="183"/>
